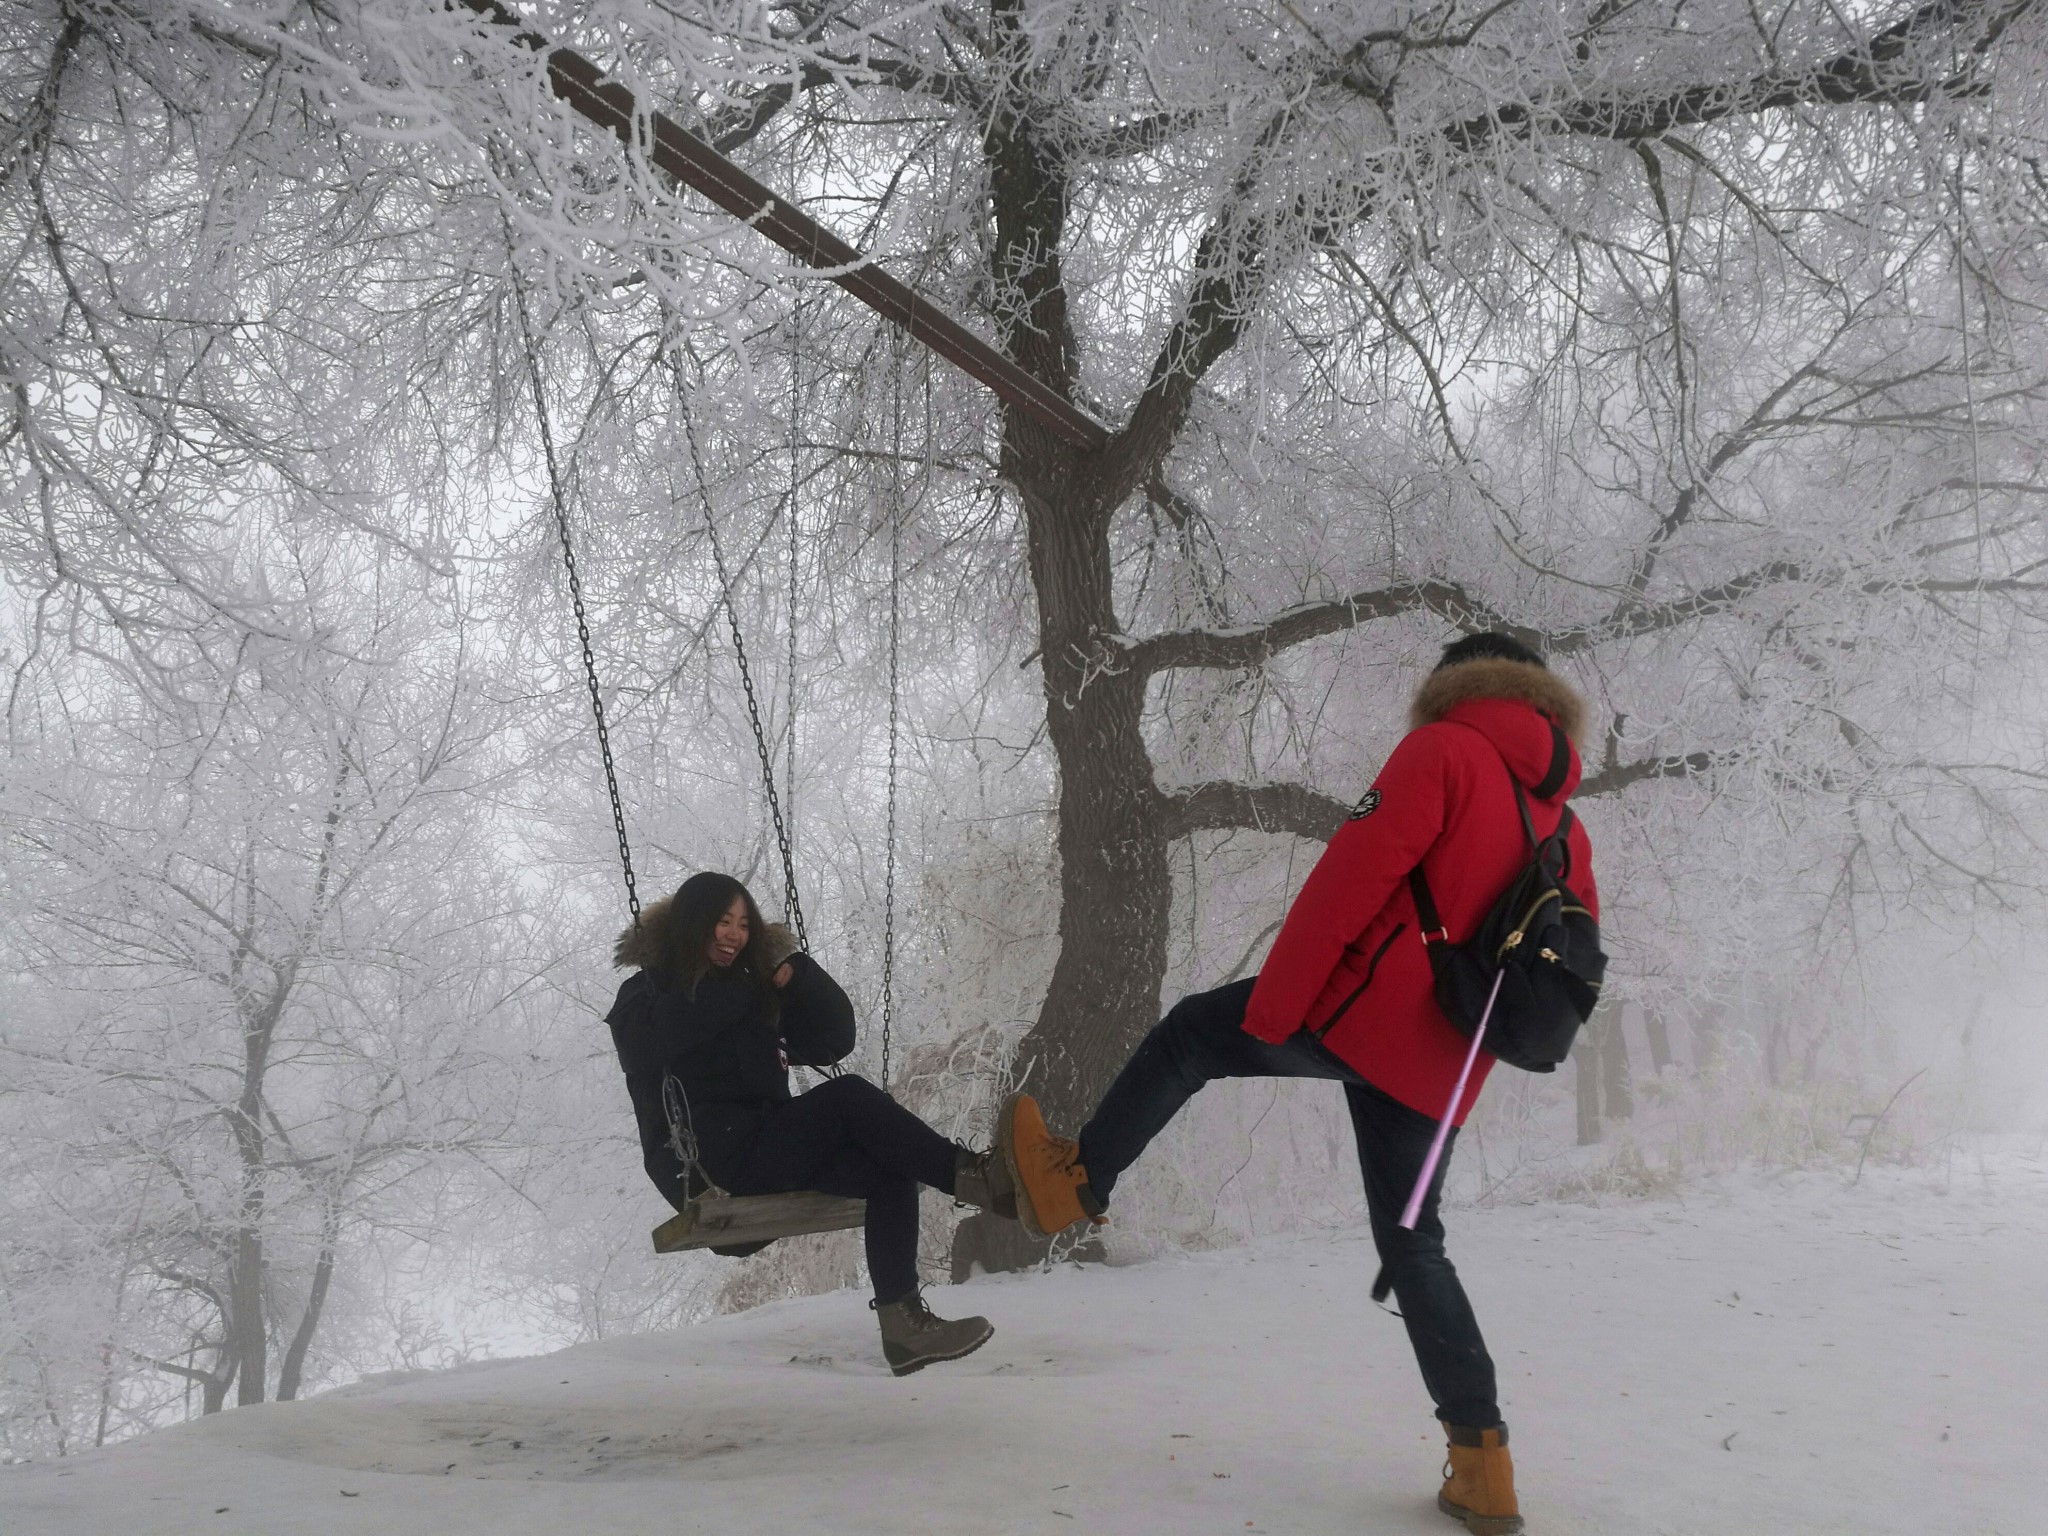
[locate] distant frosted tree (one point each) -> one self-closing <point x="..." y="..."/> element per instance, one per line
<point x="264" y="888"/>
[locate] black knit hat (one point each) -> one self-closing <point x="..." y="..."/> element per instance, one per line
<point x="1491" y="645"/>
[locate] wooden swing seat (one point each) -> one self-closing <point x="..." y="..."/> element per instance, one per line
<point x="721" y="1221"/>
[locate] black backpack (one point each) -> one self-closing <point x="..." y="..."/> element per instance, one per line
<point x="1538" y="938"/>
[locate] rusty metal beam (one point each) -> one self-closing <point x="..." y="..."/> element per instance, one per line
<point x="695" y="164"/>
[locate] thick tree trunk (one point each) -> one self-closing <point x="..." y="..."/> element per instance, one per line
<point x="1116" y="891"/>
<point x="1116" y="888"/>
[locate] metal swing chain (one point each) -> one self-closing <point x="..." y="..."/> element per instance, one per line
<point x="739" y="649"/>
<point x="895" y="679"/>
<point x="561" y="510"/>
<point x="796" y="464"/>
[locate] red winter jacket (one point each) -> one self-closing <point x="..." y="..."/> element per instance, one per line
<point x="1443" y="800"/>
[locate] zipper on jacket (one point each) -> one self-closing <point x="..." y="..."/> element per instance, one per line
<point x="1371" y="966"/>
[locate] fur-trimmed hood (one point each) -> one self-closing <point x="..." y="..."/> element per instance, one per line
<point x="643" y="945"/>
<point x="1492" y="678"/>
<point x="640" y="945"/>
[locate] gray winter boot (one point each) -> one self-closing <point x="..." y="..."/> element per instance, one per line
<point x="982" y="1180"/>
<point x="913" y="1337"/>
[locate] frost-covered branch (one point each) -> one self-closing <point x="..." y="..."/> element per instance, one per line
<point x="1310" y="814"/>
<point x="1649" y="618"/>
<point x="1614" y="777"/>
<point x="1219" y="804"/>
<point x="1255" y="644"/>
<point x="1909" y="61"/>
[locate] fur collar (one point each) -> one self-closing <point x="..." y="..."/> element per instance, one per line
<point x="642" y="946"/>
<point x="1491" y="678"/>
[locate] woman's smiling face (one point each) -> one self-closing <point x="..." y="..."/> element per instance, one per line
<point x="731" y="935"/>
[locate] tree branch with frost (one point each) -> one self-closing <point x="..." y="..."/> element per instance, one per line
<point x="1030" y="193"/>
<point x="1255" y="645"/>
<point x="1650" y="618"/>
<point x="1139" y="135"/>
<point x="1614" y="776"/>
<point x="1221" y="804"/>
<point x="1890" y="68"/>
<point x="1233" y="262"/>
<point x="737" y="125"/>
<point x="188" y="1372"/>
<point x="1232" y="271"/>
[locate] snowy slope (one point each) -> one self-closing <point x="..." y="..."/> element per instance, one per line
<point x="1764" y="1356"/>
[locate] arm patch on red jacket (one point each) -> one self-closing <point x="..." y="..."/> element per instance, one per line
<point x="1366" y="806"/>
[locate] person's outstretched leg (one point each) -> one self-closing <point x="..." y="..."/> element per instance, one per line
<point x="1201" y="1039"/>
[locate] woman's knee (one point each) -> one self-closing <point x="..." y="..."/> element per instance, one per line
<point x="845" y="1083"/>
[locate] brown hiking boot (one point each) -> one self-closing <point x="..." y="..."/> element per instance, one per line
<point x="1479" y="1482"/>
<point x="1052" y="1186"/>
<point x="913" y="1336"/>
<point x="982" y="1180"/>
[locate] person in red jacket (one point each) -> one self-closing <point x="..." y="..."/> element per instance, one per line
<point x="1346" y="994"/>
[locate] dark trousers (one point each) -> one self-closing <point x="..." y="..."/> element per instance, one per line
<point x="1203" y="1039"/>
<point x="848" y="1137"/>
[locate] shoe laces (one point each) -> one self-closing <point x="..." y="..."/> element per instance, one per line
<point x="1062" y="1155"/>
<point x="915" y="1312"/>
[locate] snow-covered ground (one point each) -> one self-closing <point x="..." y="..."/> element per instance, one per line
<point x="1762" y="1356"/>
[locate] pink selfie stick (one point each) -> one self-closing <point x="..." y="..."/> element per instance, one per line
<point x="1443" y="1130"/>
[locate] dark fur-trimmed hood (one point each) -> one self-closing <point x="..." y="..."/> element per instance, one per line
<point x="641" y="945"/>
<point x="644" y="945"/>
<point x="1491" y="678"/>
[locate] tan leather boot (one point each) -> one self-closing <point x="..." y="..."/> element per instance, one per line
<point x="1051" y="1185"/>
<point x="1479" y="1482"/>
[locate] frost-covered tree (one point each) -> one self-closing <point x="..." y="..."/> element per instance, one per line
<point x="264" y="891"/>
<point x="1695" y="342"/>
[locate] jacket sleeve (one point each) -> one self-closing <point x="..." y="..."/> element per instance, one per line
<point x="1357" y="874"/>
<point x="817" y="1017"/>
<point x="661" y="1163"/>
<point x="634" y="1038"/>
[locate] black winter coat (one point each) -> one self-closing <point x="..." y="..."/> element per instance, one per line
<point x="729" y="1048"/>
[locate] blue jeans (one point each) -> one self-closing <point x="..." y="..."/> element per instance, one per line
<point x="1202" y="1039"/>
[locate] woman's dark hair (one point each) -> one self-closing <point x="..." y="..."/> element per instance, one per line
<point x="1492" y="645"/>
<point x="693" y="920"/>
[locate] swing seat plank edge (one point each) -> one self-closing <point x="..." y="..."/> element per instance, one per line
<point x="731" y="1221"/>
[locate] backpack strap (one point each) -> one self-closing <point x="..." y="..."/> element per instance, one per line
<point x="1522" y="810"/>
<point x="1560" y="763"/>
<point x="1433" y="929"/>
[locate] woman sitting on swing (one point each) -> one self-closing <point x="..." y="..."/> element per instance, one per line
<point x="723" y="1004"/>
